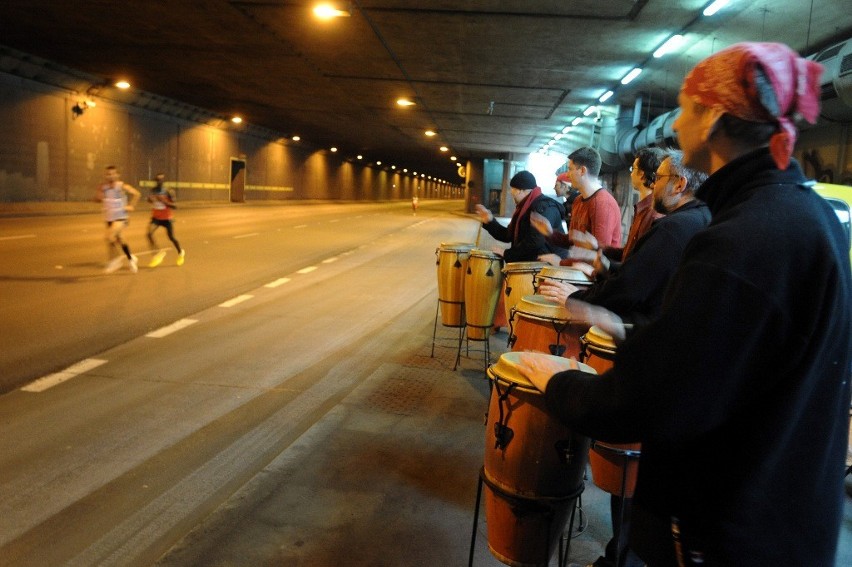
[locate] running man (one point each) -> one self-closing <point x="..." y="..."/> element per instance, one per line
<point x="113" y="195"/>
<point x="162" y="203"/>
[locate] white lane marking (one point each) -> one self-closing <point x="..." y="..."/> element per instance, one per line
<point x="20" y="237"/>
<point x="246" y="235"/>
<point x="307" y="270"/>
<point x="276" y="283"/>
<point x="300" y="226"/>
<point x="236" y="300"/>
<point x="329" y="260"/>
<point x="52" y="380"/>
<point x="169" y="329"/>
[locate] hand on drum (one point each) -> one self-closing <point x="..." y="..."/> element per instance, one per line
<point x="585" y="240"/>
<point x="605" y="319"/>
<point x="540" y="369"/>
<point x="551" y="259"/>
<point x="555" y="290"/>
<point x="541" y="224"/>
<point x="484" y="214"/>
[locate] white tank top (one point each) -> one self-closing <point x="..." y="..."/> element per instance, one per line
<point x="114" y="201"/>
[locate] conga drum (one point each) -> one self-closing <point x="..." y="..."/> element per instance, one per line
<point x="564" y="274"/>
<point x="533" y="469"/>
<point x="482" y="284"/>
<point x="519" y="281"/>
<point x="539" y="324"/>
<point x="613" y="465"/>
<point x="452" y="266"/>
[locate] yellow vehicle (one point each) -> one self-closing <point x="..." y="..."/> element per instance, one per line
<point x="840" y="198"/>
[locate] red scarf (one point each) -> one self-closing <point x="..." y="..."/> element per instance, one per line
<point x="522" y="208"/>
<point x="726" y="81"/>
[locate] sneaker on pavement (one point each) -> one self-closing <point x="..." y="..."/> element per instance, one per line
<point x="181" y="257"/>
<point x="157" y="259"/>
<point x="133" y="263"/>
<point x="113" y="265"/>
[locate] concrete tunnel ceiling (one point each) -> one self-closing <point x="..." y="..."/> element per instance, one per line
<point x="493" y="79"/>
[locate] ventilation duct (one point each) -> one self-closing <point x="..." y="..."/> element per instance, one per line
<point x="836" y="82"/>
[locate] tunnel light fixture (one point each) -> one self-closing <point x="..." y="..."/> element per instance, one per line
<point x="404" y="102"/>
<point x="714" y="7"/>
<point x="122" y="84"/>
<point x="444" y="149"/>
<point x="671" y="44"/>
<point x="296" y="138"/>
<point x="590" y="110"/>
<point x="328" y="11"/>
<point x="606" y="96"/>
<point x="631" y="75"/>
<point x="359" y="156"/>
<point x="576" y="121"/>
<point x="430" y="133"/>
<point x="566" y="129"/>
<point x="332" y="149"/>
<point x="237" y="119"/>
<point x="453" y="158"/>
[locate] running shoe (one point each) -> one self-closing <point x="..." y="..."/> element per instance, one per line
<point x="157" y="259"/>
<point x="133" y="263"/>
<point x="113" y="265"/>
<point x="180" y="258"/>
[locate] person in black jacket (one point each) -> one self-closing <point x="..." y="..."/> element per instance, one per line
<point x="739" y="392"/>
<point x="526" y="242"/>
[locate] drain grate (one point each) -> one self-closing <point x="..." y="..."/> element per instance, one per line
<point x="403" y="392"/>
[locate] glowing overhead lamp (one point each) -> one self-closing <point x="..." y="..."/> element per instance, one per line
<point x="590" y="110"/>
<point x="606" y="96"/>
<point x="557" y="137"/>
<point x="714" y="7"/>
<point x="122" y="84"/>
<point x="236" y="120"/>
<point x="359" y="156"/>
<point x="378" y="162"/>
<point x="631" y="75"/>
<point x="430" y="133"/>
<point x="393" y="167"/>
<point x="576" y="121"/>
<point x="453" y="158"/>
<point x="405" y="102"/>
<point x="672" y="44"/>
<point x="333" y="149"/>
<point x="445" y="149"/>
<point x="327" y="11"/>
<point x="296" y="138"/>
<point x="566" y="129"/>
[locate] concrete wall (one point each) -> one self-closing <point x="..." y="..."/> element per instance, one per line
<point x="49" y="154"/>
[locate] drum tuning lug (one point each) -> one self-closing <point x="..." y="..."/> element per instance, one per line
<point x="502" y="435"/>
<point x="457" y="264"/>
<point x="556" y="350"/>
<point x="512" y="340"/>
<point x="508" y="291"/>
<point x="468" y="270"/>
<point x="490" y="272"/>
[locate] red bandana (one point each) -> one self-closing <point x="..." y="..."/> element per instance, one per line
<point x="726" y="81"/>
<point x="519" y="212"/>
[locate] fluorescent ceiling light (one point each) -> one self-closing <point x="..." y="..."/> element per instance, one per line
<point x="589" y="110"/>
<point x="557" y="137"/>
<point x="429" y="132"/>
<point x="296" y="138"/>
<point x="606" y="96"/>
<point x="566" y="129"/>
<point x="236" y="119"/>
<point x="631" y="75"/>
<point x="671" y="44"/>
<point x="405" y="102"/>
<point x="122" y="84"/>
<point x="327" y="11"/>
<point x="576" y="121"/>
<point x="333" y="149"/>
<point x="715" y="7"/>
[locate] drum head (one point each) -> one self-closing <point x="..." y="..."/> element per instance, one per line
<point x="506" y="368"/>
<point x="596" y="336"/>
<point x="456" y="247"/>
<point x="542" y="307"/>
<point x="565" y="274"/>
<point x="486" y="254"/>
<point x="521" y="267"/>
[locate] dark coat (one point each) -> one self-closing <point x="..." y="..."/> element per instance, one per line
<point x="530" y="243"/>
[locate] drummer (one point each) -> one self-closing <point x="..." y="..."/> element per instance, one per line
<point x="526" y="243"/>
<point x="635" y="291"/>
<point x="739" y="392"/>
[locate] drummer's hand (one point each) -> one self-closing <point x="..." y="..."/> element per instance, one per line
<point x="581" y="254"/>
<point x="587" y="269"/>
<point x="541" y="224"/>
<point x="557" y="291"/>
<point x="540" y="369"/>
<point x="605" y="319"/>
<point x="583" y="239"/>
<point x="484" y="214"/>
<point x="551" y="259"/>
<point x="601" y="264"/>
<point x="497" y="250"/>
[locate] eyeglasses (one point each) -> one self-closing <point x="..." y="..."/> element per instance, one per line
<point x="657" y="177"/>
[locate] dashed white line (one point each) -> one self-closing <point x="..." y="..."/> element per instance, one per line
<point x="300" y="226"/>
<point x="307" y="270"/>
<point x="169" y="329"/>
<point x="20" y="237"/>
<point x="236" y="300"/>
<point x="246" y="235"/>
<point x="329" y="260"/>
<point x="52" y="380"/>
<point x="276" y="283"/>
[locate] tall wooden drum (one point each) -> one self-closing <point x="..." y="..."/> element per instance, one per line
<point x="533" y="469"/>
<point x="519" y="281"/>
<point x="482" y="284"/>
<point x="614" y="466"/>
<point x="452" y="267"/>
<point x="539" y="324"/>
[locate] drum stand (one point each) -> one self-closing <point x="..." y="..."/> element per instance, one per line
<point x="461" y="327"/>
<point x="562" y="556"/>
<point x="486" y="340"/>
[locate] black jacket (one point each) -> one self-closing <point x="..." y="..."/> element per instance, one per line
<point x="530" y="242"/>
<point x="739" y="392"/>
